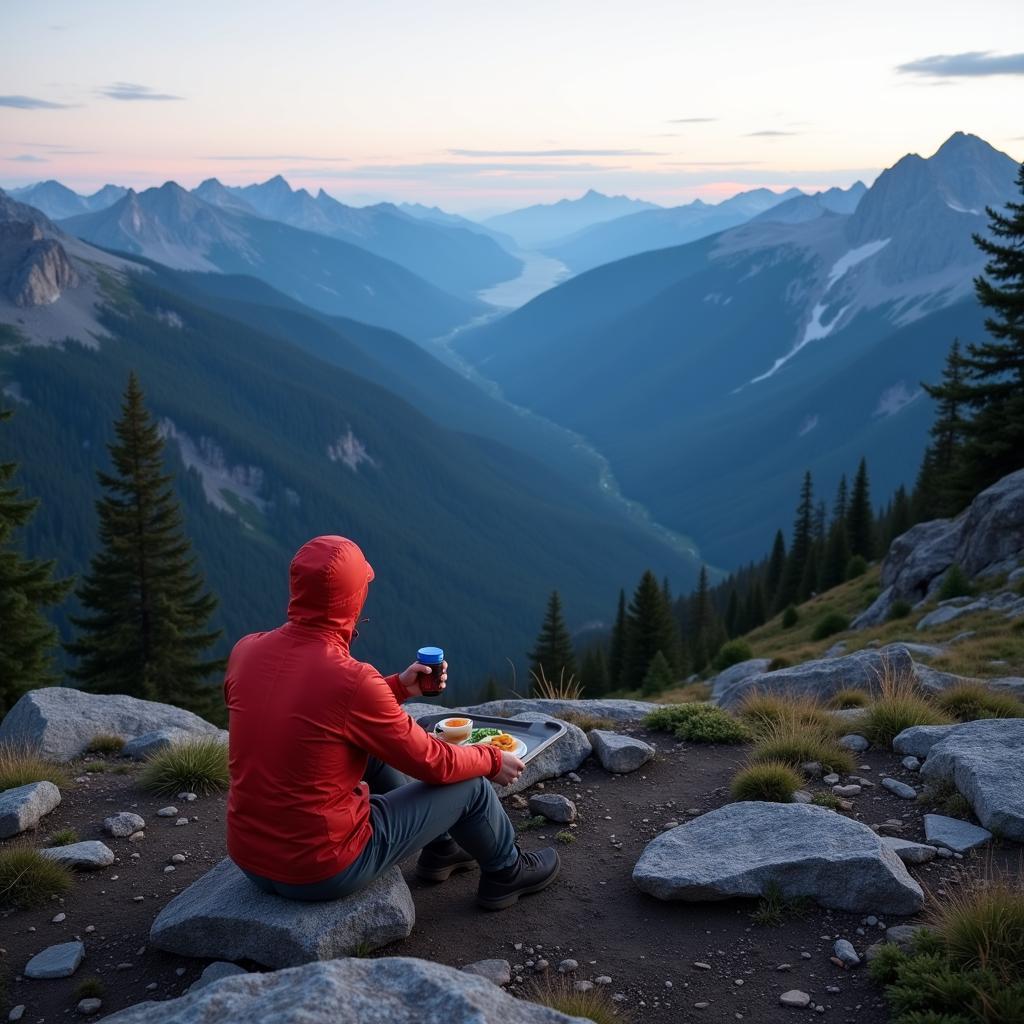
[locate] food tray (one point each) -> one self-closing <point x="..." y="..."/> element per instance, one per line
<point x="537" y="736"/>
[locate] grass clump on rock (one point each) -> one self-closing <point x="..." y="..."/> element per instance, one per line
<point x="968" y="968"/>
<point x="762" y="710"/>
<point x="106" y="743"/>
<point x="698" y="723"/>
<point x="796" y="743"/>
<point x="27" y="878"/>
<point x="899" y="705"/>
<point x="967" y="702"/>
<point x="21" y="765"/>
<point x="558" y="993"/>
<point x="834" y="622"/>
<point x="848" y="698"/>
<point x="771" y="781"/>
<point x="199" y="765"/>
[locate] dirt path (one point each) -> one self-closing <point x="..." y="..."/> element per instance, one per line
<point x="593" y="914"/>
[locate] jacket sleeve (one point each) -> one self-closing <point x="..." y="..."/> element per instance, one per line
<point x="375" y="723"/>
<point x="400" y="692"/>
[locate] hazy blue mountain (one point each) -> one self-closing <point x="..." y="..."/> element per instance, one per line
<point x="712" y="374"/>
<point x="543" y="225"/>
<point x="661" y="228"/>
<point x="213" y="192"/>
<point x="175" y="228"/>
<point x="456" y="257"/>
<point x="273" y="444"/>
<point x="57" y="201"/>
<point x="810" y="207"/>
<point x="438" y="216"/>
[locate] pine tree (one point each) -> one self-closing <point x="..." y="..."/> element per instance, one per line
<point x="617" y="644"/>
<point x="995" y="367"/>
<point x="659" y="676"/>
<point x="147" y="626"/>
<point x="553" y="652"/>
<point x="732" y="614"/>
<point x="837" y="546"/>
<point x="799" y="549"/>
<point x="776" y="569"/>
<point x="757" y="613"/>
<point x="26" y="586"/>
<point x="859" y="517"/>
<point x="594" y="671"/>
<point x="707" y="633"/>
<point x="650" y="627"/>
<point x="944" y="476"/>
<point x="900" y="519"/>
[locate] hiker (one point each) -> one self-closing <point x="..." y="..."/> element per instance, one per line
<point x="321" y="802"/>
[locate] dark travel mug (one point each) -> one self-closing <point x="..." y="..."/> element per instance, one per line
<point x="434" y="658"/>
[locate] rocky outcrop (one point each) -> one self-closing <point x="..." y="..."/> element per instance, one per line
<point x="59" y="722"/>
<point x="613" y="709"/>
<point x="736" y="673"/>
<point x="805" y="851"/>
<point x="565" y="755"/>
<point x="225" y="917"/>
<point x="23" y="807"/>
<point x="34" y="269"/>
<point x="987" y="537"/>
<point x="389" y="990"/>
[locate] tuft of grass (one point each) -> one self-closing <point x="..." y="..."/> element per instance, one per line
<point x="969" y="701"/>
<point x="565" y="837"/>
<point x="900" y="610"/>
<point x="28" y="879"/>
<point x="558" y="993"/>
<point x="699" y="692"/>
<point x="585" y="721"/>
<point x="771" y="781"/>
<point x="20" y="765"/>
<point x="106" y="743"/>
<point x="563" y="688"/>
<point x="795" y="743"/>
<point x="832" y="623"/>
<point x="199" y="765"/>
<point x="732" y="653"/>
<point x="64" y="837"/>
<point x="790" y="617"/>
<point x="773" y="908"/>
<point x="90" y="988"/>
<point x="534" y="823"/>
<point x="955" y="584"/>
<point x="899" y="705"/>
<point x="698" y="723"/>
<point x="761" y="710"/>
<point x="849" y="698"/>
<point x="96" y="767"/>
<point x="829" y="800"/>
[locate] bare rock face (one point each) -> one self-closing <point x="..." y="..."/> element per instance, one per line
<point x="34" y="269"/>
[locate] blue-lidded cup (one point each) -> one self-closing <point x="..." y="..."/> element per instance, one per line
<point x="434" y="657"/>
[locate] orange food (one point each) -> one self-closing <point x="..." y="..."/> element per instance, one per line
<point x="456" y="723"/>
<point x="503" y="741"/>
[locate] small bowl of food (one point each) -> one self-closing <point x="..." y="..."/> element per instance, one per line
<point x="455" y="730"/>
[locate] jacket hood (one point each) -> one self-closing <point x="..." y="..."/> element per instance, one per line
<point x="329" y="579"/>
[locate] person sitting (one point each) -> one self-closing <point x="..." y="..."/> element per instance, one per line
<point x="321" y="756"/>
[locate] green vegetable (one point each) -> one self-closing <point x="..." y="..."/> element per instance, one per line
<point x="478" y="734"/>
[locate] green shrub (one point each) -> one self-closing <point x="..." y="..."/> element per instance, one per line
<point x="900" y="609"/>
<point x="89" y="988"/>
<point x="558" y="993"/>
<point x="955" y="584"/>
<point x="796" y="743"/>
<point x="106" y="743"/>
<point x="829" y="800"/>
<point x="899" y="706"/>
<point x="565" y="837"/>
<point x="199" y="765"/>
<point x="849" y="698"/>
<point x="64" y="837"/>
<point x="27" y="878"/>
<point x="834" y="622"/>
<point x="732" y="653"/>
<point x="532" y="824"/>
<point x="967" y="702"/>
<point x="855" y="567"/>
<point x="771" y="781"/>
<point x="21" y="765"/>
<point x="790" y="617"/>
<point x="698" y="723"/>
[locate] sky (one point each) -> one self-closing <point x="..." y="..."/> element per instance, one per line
<point x="479" y="106"/>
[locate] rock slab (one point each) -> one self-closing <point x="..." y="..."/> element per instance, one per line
<point x="953" y="834"/>
<point x="214" y="972"/>
<point x="389" y="990"/>
<point x="90" y="855"/>
<point x="620" y="754"/>
<point x="60" y="961"/>
<point x="58" y="722"/>
<point x="910" y="852"/>
<point x="23" y="807"/>
<point x="804" y="850"/>
<point x="225" y="917"/>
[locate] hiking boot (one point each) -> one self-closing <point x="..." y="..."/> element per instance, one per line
<point x="531" y="873"/>
<point x="438" y="861"/>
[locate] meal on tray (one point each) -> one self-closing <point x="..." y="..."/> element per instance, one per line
<point x="481" y="734"/>
<point x="503" y="741"/>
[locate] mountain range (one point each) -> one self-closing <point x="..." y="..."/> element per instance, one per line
<point x="712" y="374"/>
<point x="282" y="423"/>
<point x="57" y="201"/>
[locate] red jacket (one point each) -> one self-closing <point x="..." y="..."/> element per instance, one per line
<point x="303" y="717"/>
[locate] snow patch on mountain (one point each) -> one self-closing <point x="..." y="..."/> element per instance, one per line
<point x="814" y="331"/>
<point x="170" y="317"/>
<point x="895" y="398"/>
<point x="961" y="209"/>
<point x="808" y="425"/>
<point x="350" y="451"/>
<point x="852" y="258"/>
<point x="14" y="393"/>
<point x="219" y="478"/>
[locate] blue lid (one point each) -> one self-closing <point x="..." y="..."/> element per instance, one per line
<point x="430" y="655"/>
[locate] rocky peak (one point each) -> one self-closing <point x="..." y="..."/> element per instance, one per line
<point x="34" y="269"/>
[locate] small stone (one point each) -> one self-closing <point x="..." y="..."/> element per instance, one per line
<point x="138" y="899"/>
<point x="784" y="967"/>
<point x="845" y="953"/>
<point x="125" y="966"/>
<point x="568" y="966"/>
<point x="90" y="928"/>
<point x="573" y="777"/>
<point x="181" y="821"/>
<point x="602" y="979"/>
<point x="801" y="796"/>
<point x="737" y="981"/>
<point x="846" y="791"/>
<point x="911" y="763"/>
<point x="168" y="869"/>
<point x="829" y="780"/>
<point x="855" y="742"/>
<point x="701" y="1006"/>
<point x="669" y="824"/>
<point x="187" y="797"/>
<point x="178" y="858"/>
<point x="812" y="769"/>
<point x="553" y="807"/>
<point x="702" y="966"/>
<point x="57" y="918"/>
<point x="794" y="997"/>
<point x="60" y="961"/>
<point x="123" y="824"/>
<point x="136" y="837"/>
<point x="179" y="971"/>
<point x="542" y="965"/>
<point x="901" y="789"/>
<point x="805" y="955"/>
<point x="583" y="986"/>
<point x="871" y="920"/>
<point x="17" y="1012"/>
<point x="497" y="971"/>
<point x="152" y="986"/>
<point x="167" y="812"/>
<point x="89" y="1006"/>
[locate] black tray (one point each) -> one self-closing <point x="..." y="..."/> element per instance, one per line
<point x="537" y="736"/>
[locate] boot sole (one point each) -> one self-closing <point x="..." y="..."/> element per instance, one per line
<point x="443" y="874"/>
<point x="513" y="897"/>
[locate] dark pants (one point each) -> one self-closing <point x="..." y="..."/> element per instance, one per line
<point x="405" y="817"/>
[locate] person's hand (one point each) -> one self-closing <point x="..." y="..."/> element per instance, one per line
<point x="410" y="678"/>
<point x="510" y="770"/>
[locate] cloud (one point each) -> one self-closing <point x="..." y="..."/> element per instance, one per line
<point x="769" y="133"/>
<point x="711" y="163"/>
<point x="31" y="103"/>
<point x="57" y="149"/>
<point x="132" y="91"/>
<point x="28" y="158"/>
<point x="448" y="169"/>
<point x="283" y="156"/>
<point x="550" y="152"/>
<point x="691" y="120"/>
<point x="973" y="64"/>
